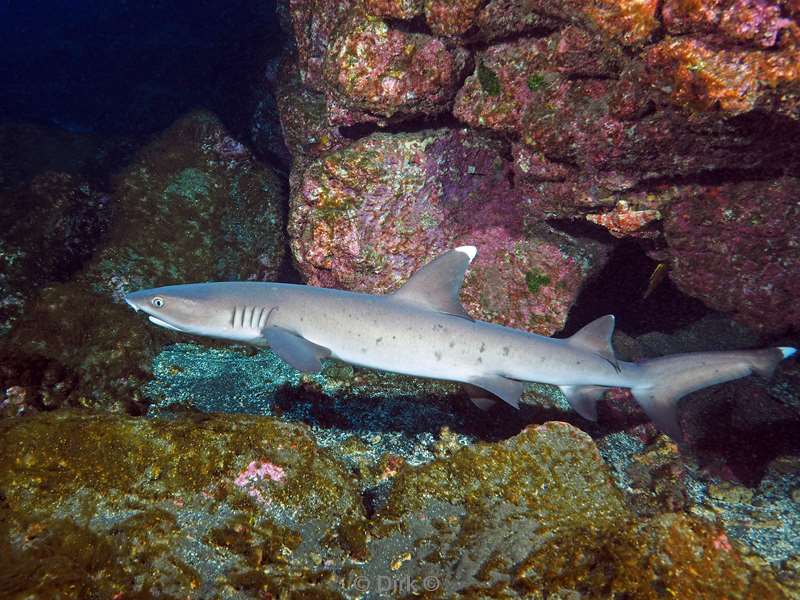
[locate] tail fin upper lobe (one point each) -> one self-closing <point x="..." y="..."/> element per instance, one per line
<point x="664" y="381"/>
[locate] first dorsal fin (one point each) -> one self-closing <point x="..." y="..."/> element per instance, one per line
<point x="596" y="337"/>
<point x="436" y="285"/>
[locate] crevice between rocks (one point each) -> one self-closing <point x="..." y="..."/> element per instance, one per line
<point x="619" y="290"/>
<point x="444" y="120"/>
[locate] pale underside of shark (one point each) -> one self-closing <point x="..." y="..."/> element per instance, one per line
<point x="423" y="330"/>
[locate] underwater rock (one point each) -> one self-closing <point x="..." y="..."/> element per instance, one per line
<point x="395" y="9"/>
<point x="538" y="513"/>
<point x="510" y="77"/>
<point x="628" y="22"/>
<point x="51" y="225"/>
<point x="451" y="18"/>
<point x="191" y="507"/>
<point x="314" y="22"/>
<point x="307" y="131"/>
<point x="754" y="22"/>
<point x="367" y="216"/>
<point x="228" y="205"/>
<point x="28" y="150"/>
<point x="697" y="76"/>
<point x="374" y="70"/>
<point x="241" y="506"/>
<point x="504" y="18"/>
<point x="266" y="132"/>
<point x="193" y="206"/>
<point x="736" y="247"/>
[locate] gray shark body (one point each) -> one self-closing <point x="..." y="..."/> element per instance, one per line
<point x="423" y="330"/>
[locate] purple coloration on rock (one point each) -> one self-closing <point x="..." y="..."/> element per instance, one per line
<point x="510" y="78"/>
<point x="737" y="248"/>
<point x="370" y="215"/>
<point x="314" y="22"/>
<point x="304" y="118"/>
<point x="503" y="18"/>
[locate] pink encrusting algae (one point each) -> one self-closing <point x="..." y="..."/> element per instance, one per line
<point x="258" y="470"/>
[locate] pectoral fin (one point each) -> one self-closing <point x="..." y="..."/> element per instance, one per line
<point x="508" y="390"/>
<point x="297" y="351"/>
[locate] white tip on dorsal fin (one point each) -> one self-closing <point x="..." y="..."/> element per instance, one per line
<point x="596" y="337"/>
<point x="437" y="284"/>
<point x="470" y="251"/>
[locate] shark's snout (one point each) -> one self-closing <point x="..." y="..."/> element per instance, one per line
<point x="131" y="303"/>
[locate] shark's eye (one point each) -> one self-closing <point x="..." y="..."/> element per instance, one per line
<point x="158" y="302"/>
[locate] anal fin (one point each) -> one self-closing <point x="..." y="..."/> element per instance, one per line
<point x="661" y="405"/>
<point x="584" y="398"/>
<point x="508" y="390"/>
<point x="297" y="351"/>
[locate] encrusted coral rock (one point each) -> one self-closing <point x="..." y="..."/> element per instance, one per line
<point x="368" y="216"/>
<point x="449" y="18"/>
<point x="395" y="9"/>
<point x="504" y="18"/>
<point x="700" y="77"/>
<point x="384" y="72"/>
<point x="304" y="119"/>
<point x="511" y="77"/>
<point x="691" y="16"/>
<point x="737" y="248"/>
<point x="314" y="22"/>
<point x="230" y="224"/>
<point x="754" y="22"/>
<point x="630" y="22"/>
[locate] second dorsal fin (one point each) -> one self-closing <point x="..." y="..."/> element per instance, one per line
<point x="437" y="284"/>
<point x="596" y="337"/>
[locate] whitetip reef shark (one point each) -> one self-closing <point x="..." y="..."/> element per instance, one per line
<point x="423" y="330"/>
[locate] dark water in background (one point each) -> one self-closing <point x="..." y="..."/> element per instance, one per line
<point x="130" y="66"/>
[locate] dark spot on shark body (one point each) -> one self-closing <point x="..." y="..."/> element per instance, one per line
<point x="505" y="350"/>
<point x="438" y="355"/>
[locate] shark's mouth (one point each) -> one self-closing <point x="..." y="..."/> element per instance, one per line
<point x="161" y="323"/>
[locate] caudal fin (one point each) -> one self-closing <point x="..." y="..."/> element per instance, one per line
<point x="664" y="381"/>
